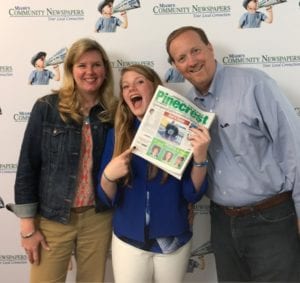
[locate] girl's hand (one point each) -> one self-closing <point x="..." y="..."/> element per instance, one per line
<point x="200" y="140"/>
<point x="118" y="167"/>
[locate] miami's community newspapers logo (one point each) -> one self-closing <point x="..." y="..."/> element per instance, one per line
<point x="120" y="63"/>
<point x="52" y="14"/>
<point x="195" y="10"/>
<point x="13" y="259"/>
<point x="21" y="116"/>
<point x="8" y="168"/>
<point x="200" y="208"/>
<point x="266" y="60"/>
<point x="6" y="71"/>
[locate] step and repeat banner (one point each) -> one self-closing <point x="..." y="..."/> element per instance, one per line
<point x="136" y="33"/>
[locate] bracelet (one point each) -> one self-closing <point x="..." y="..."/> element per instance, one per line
<point x="201" y="164"/>
<point x="108" y="179"/>
<point x="29" y="235"/>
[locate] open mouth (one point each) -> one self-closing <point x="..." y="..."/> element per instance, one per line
<point x="136" y="100"/>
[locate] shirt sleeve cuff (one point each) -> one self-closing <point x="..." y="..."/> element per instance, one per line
<point x="23" y="210"/>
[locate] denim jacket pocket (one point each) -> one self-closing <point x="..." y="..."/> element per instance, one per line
<point x="53" y="142"/>
<point x="55" y="158"/>
<point x="57" y="138"/>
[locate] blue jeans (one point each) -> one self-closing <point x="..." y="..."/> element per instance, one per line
<point x="259" y="247"/>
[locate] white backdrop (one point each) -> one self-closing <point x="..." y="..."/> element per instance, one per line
<point x="27" y="27"/>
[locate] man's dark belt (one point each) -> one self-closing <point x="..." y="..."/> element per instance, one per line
<point x="265" y="204"/>
<point x="81" y="209"/>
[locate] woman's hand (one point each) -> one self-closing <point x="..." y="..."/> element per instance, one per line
<point x="31" y="240"/>
<point x="32" y="246"/>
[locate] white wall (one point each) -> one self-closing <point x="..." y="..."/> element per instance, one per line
<point x="274" y="48"/>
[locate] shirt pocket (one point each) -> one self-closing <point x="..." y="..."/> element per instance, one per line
<point x="234" y="140"/>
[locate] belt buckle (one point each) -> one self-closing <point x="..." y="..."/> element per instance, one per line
<point x="232" y="208"/>
<point x="235" y="209"/>
<point x="239" y="211"/>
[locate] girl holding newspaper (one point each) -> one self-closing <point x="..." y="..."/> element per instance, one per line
<point x="151" y="229"/>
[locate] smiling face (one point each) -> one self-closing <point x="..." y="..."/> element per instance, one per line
<point x="137" y="92"/>
<point x="193" y="59"/>
<point x="89" y="73"/>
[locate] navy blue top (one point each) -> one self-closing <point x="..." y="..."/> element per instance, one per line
<point x="168" y="202"/>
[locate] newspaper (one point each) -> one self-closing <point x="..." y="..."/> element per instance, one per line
<point x="57" y="58"/>
<point x="162" y="137"/>
<point x="267" y="3"/>
<point x="125" y="5"/>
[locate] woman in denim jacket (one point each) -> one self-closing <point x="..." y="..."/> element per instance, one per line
<point x="58" y="165"/>
<point x="152" y="236"/>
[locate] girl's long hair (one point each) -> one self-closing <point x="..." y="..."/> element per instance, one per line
<point x="124" y="119"/>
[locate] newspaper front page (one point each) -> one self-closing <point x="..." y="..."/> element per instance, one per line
<point x="162" y="137"/>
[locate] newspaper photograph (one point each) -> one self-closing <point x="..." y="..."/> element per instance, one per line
<point x="162" y="137"/>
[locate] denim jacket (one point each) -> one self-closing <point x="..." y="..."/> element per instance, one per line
<point x="49" y="161"/>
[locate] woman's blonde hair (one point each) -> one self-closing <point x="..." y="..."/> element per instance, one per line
<point x="124" y="119"/>
<point x="69" y="105"/>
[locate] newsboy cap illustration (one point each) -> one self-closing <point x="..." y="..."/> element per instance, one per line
<point x="37" y="57"/>
<point x="245" y="3"/>
<point x="102" y="4"/>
